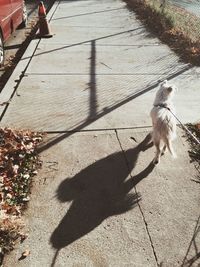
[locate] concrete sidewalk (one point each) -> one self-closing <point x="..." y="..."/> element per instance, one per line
<point x="97" y="200"/>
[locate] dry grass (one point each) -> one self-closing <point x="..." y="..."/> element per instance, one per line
<point x="177" y="19"/>
<point x="174" y="26"/>
<point x="195" y="148"/>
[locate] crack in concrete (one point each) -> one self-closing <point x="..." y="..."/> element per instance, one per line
<point x="148" y="233"/>
<point x="140" y="208"/>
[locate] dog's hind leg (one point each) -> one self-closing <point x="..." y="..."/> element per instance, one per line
<point x="168" y="144"/>
<point x="156" y="160"/>
<point x="164" y="150"/>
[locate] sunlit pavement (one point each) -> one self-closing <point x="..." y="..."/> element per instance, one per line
<point x="97" y="200"/>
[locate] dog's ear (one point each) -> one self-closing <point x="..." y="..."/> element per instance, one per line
<point x="164" y="83"/>
<point x="172" y="88"/>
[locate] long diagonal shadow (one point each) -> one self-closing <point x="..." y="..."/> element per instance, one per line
<point x="84" y="42"/>
<point x="88" y="13"/>
<point x="93" y="106"/>
<point x="124" y="101"/>
<point x="97" y="192"/>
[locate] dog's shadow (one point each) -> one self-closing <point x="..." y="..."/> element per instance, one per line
<point x="97" y="192"/>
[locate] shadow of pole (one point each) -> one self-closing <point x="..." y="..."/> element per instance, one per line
<point x="92" y="83"/>
<point x="85" y="123"/>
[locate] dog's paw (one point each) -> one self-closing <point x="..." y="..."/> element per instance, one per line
<point x="163" y="152"/>
<point x="156" y="161"/>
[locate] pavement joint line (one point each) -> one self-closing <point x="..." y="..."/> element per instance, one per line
<point x="50" y="19"/>
<point x="109" y="45"/>
<point x="98" y="74"/>
<point x="96" y="27"/>
<point x="104" y="130"/>
<point x="98" y="130"/>
<point x="140" y="208"/>
<point x="148" y="233"/>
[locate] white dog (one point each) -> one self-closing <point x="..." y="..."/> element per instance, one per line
<point x="164" y="123"/>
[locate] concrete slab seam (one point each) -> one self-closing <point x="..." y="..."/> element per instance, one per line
<point x="99" y="129"/>
<point x="140" y="208"/>
<point x="99" y="74"/>
<point x="50" y="15"/>
<point x="107" y="45"/>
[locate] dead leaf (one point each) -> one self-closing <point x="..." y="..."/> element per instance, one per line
<point x="23" y="237"/>
<point x="25" y="254"/>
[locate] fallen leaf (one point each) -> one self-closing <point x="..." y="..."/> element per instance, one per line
<point x="23" y="237"/>
<point x="25" y="254"/>
<point x="15" y="169"/>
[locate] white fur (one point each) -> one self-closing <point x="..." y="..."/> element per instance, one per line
<point x="164" y="123"/>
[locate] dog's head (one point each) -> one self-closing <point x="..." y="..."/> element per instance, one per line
<point x="165" y="92"/>
<point x="168" y="89"/>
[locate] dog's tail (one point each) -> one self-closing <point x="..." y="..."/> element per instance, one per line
<point x="170" y="148"/>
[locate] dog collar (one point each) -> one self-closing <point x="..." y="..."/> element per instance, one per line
<point x="162" y="106"/>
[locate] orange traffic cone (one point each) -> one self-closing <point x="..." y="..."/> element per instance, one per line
<point x="44" y="30"/>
